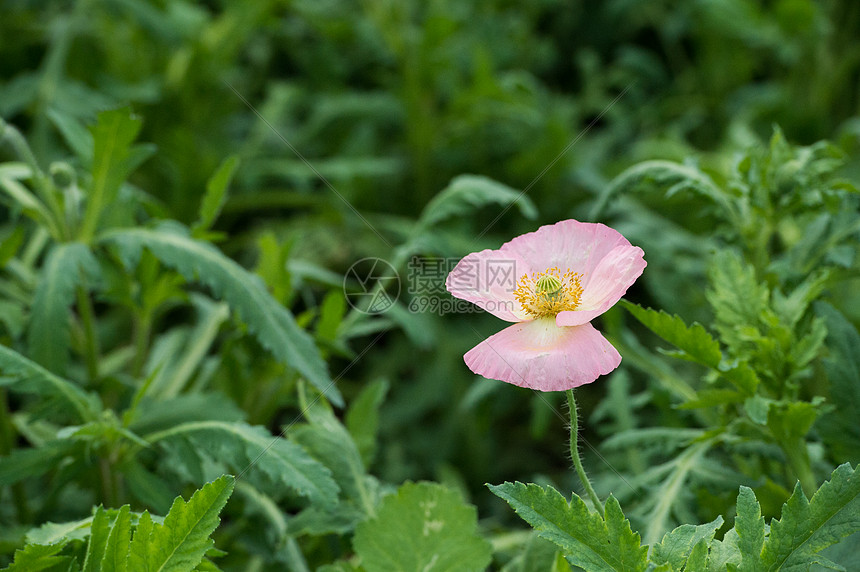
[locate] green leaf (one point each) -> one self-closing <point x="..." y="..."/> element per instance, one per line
<point x="274" y="325"/>
<point x="839" y="427"/>
<point x="25" y="376"/>
<point x="425" y="526"/>
<point x="118" y="543"/>
<point x="808" y="526"/>
<point x="588" y="540"/>
<point x="737" y="299"/>
<point x="724" y="554"/>
<point x="216" y="194"/>
<point x="23" y="463"/>
<point x="99" y="530"/>
<point x="698" y="558"/>
<point x="141" y="543"/>
<point x="469" y="192"/>
<point x="667" y="176"/>
<point x="66" y="267"/>
<point x="181" y="541"/>
<point x="113" y="160"/>
<point x="362" y="418"/>
<point x="676" y="546"/>
<point x="696" y="343"/>
<point x="749" y="526"/>
<point x="35" y="557"/>
<point x="328" y="441"/>
<point x="243" y="447"/>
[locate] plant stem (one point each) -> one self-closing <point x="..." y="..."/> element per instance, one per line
<point x="574" y="453"/>
<point x="91" y="350"/>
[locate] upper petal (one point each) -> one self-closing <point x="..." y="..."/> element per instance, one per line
<point x="568" y="245"/>
<point x="541" y="355"/>
<point x="488" y="279"/>
<point x="606" y="284"/>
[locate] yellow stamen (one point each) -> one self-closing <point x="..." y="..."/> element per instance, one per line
<point x="550" y="292"/>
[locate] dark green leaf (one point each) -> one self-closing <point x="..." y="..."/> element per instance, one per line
<point x="273" y="324"/>
<point x="66" y="267"/>
<point x="469" y="192"/>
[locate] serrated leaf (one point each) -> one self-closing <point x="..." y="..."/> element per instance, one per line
<point x="724" y="554"/>
<point x="25" y="376"/>
<point x="118" y="543"/>
<point x="181" y="541"/>
<point x="694" y="340"/>
<point x="99" y="530"/>
<point x="469" y="192"/>
<point x="698" y="558"/>
<point x="675" y="547"/>
<point x="113" y="159"/>
<point x="588" y="540"/>
<point x="274" y="325"/>
<point x="216" y="194"/>
<point x="736" y="297"/>
<point x="243" y="446"/>
<point x="66" y="267"/>
<point x="749" y="526"/>
<point x="35" y="557"/>
<point x="808" y="526"/>
<point x="425" y="526"/>
<point x="141" y="543"/>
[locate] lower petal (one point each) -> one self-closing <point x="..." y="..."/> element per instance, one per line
<point x="541" y="355"/>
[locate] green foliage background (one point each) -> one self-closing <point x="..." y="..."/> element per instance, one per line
<point x="184" y="186"/>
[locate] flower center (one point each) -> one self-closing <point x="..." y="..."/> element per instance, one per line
<point x="549" y="292"/>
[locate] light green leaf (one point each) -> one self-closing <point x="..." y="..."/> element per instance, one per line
<point x="469" y="192"/>
<point x="676" y="546"/>
<point x="274" y="325"/>
<point x="588" y="540"/>
<point x="749" y="526"/>
<point x="698" y="558"/>
<point x="216" y="194"/>
<point x="24" y="376"/>
<point x="426" y="527"/>
<point x="239" y="445"/>
<point x="141" y="543"/>
<point x="118" y="543"/>
<point x="724" y="554"/>
<point x="181" y="541"/>
<point x="99" y="530"/>
<point x="696" y="343"/>
<point x="66" y="267"/>
<point x="808" y="526"/>
<point x="35" y="557"/>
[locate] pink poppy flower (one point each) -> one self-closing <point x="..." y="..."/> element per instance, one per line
<point x="552" y="283"/>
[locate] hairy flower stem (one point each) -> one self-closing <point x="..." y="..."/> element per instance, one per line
<point x="574" y="453"/>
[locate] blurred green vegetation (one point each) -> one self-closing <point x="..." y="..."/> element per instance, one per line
<point x="349" y="117"/>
